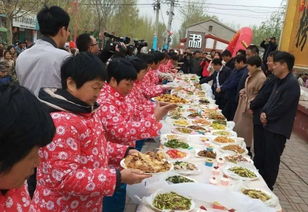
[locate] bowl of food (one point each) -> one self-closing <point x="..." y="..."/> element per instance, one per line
<point x="181" y="123"/>
<point x="236" y="158"/>
<point x="175" y="154"/>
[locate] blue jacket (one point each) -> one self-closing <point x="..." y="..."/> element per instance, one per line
<point x="231" y="84"/>
<point x="5" y="80"/>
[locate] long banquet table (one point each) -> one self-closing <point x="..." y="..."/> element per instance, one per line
<point x="205" y="190"/>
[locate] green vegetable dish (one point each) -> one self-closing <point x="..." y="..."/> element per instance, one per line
<point x="175" y="143"/>
<point x="243" y="172"/>
<point x="256" y="194"/>
<point x="171" y="201"/>
<point x="178" y="179"/>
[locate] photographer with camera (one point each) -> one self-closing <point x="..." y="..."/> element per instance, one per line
<point x="269" y="45"/>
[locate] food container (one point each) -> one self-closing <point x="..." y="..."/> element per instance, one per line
<point x="216" y="171"/>
<point x="209" y="162"/>
<point x="225" y="181"/>
<point x="220" y="161"/>
<point x="213" y="180"/>
<point x="209" y="148"/>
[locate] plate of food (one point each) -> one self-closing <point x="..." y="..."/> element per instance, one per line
<point x="170" y="202"/>
<point x="198" y="128"/>
<point x="170" y="99"/>
<point x="217" y="126"/>
<point x="224" y="133"/>
<point x="215" y="115"/>
<point x="201" y="121"/>
<point x="241" y="173"/>
<point x="177" y="179"/>
<point x="185" y="168"/>
<point x="234" y="148"/>
<point x="176" y="144"/>
<point x="224" y="140"/>
<point x="150" y="162"/>
<point x="181" y="123"/>
<point x="202" y="153"/>
<point x="166" y="137"/>
<point x="260" y="194"/>
<point x="194" y="115"/>
<point x="236" y="158"/>
<point x="175" y="154"/>
<point x="183" y="130"/>
<point x="204" y="101"/>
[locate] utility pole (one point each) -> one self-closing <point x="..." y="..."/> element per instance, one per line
<point x="170" y="13"/>
<point x="155" y="38"/>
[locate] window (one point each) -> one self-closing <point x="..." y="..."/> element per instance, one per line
<point x="210" y="28"/>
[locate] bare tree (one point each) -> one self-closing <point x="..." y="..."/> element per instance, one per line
<point x="13" y="9"/>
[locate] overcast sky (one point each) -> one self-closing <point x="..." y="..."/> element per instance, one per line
<point x="242" y="13"/>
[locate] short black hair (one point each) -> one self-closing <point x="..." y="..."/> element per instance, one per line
<point x="82" y="68"/>
<point x="240" y="58"/>
<point x="272" y="54"/>
<point x="158" y="56"/>
<point x="241" y="51"/>
<point x="226" y="53"/>
<point x="253" y="48"/>
<point x="121" y="69"/>
<point x="285" y="57"/>
<point x="51" y="19"/>
<point x="216" y="61"/>
<point x="24" y="124"/>
<point x="138" y="63"/>
<point x="254" y="61"/>
<point x="83" y="42"/>
<point x="148" y="58"/>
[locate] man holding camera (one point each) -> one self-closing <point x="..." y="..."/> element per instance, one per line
<point x="268" y="45"/>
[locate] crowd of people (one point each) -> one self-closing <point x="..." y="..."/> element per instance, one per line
<point x="74" y="116"/>
<point x="261" y="101"/>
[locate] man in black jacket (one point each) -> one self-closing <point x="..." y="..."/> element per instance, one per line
<point x="277" y="115"/>
<point x="218" y="77"/>
<point x="256" y="106"/>
<point x="227" y="57"/>
<point x="268" y="45"/>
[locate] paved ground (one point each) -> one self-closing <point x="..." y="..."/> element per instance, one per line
<point x="292" y="183"/>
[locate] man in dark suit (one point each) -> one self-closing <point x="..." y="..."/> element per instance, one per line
<point x="221" y="73"/>
<point x="278" y="114"/>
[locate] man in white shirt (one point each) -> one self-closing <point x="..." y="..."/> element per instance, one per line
<point x="40" y="65"/>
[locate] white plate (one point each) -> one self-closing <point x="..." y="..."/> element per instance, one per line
<point x="220" y="144"/>
<point x="194" y="181"/>
<point x="272" y="202"/>
<point x="230" y="151"/>
<point x="122" y="164"/>
<point x="187" y="172"/>
<point x="152" y="197"/>
<point x="198" y="150"/>
<point x="231" y="174"/>
<point x="232" y="133"/>
<point x="174" y="159"/>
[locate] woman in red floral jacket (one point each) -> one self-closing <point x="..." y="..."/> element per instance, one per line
<point x="25" y="126"/>
<point x="75" y="171"/>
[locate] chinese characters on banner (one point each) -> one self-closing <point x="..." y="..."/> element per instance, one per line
<point x="195" y="41"/>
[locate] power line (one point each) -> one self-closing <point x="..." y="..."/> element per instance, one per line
<point x="230" y="5"/>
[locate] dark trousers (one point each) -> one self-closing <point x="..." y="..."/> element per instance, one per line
<point x="229" y="109"/>
<point x="115" y="203"/>
<point x="272" y="147"/>
<point x="259" y="146"/>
